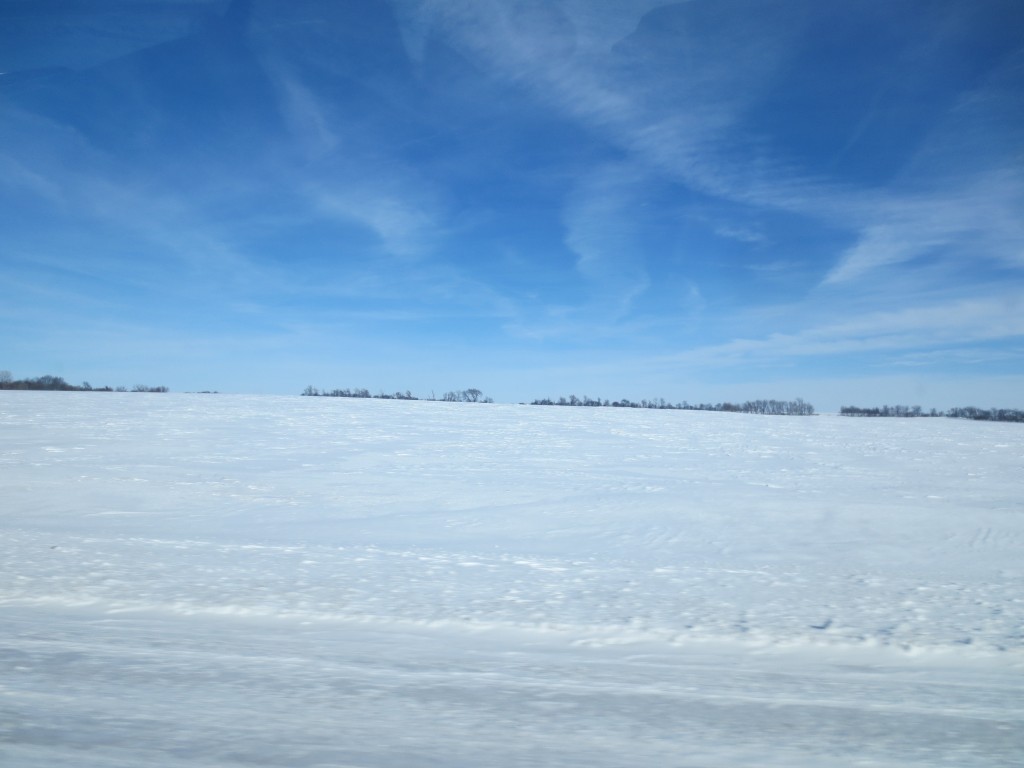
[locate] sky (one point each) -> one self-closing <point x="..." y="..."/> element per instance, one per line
<point x="704" y="201"/>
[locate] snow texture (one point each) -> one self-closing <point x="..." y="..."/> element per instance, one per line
<point x="212" y="580"/>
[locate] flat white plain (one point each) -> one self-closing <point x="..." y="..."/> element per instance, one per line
<point x="213" y="580"/>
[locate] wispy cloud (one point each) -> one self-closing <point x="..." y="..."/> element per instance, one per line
<point x="978" y="221"/>
<point x="602" y="224"/>
<point x="345" y="171"/>
<point x="109" y="220"/>
<point x="687" y="125"/>
<point x="953" y="323"/>
<point x="306" y="118"/>
<point x="970" y="356"/>
<point x="406" y="228"/>
<point x="18" y="176"/>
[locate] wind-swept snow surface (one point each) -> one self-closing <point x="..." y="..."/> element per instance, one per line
<point x="196" y="580"/>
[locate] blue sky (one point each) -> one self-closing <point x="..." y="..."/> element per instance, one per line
<point x="705" y="201"/>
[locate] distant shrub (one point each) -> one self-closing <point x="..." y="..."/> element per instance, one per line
<point x="466" y="396"/>
<point x="897" y="411"/>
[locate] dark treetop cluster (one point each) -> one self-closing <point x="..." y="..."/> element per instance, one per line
<point x="460" y="396"/>
<point x="57" y="384"/>
<point x="768" y="407"/>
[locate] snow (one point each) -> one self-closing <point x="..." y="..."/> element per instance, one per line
<point x="214" y="580"/>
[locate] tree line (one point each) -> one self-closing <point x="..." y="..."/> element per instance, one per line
<point x="58" y="384"/>
<point x="914" y="411"/>
<point x="455" y="396"/>
<point x="312" y="391"/>
<point x="796" y="407"/>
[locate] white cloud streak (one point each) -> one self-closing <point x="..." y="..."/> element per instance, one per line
<point x="406" y="228"/>
<point x="347" y="174"/>
<point x="601" y="223"/>
<point x="953" y="324"/>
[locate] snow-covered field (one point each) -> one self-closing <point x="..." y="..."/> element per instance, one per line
<point x="199" y="580"/>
